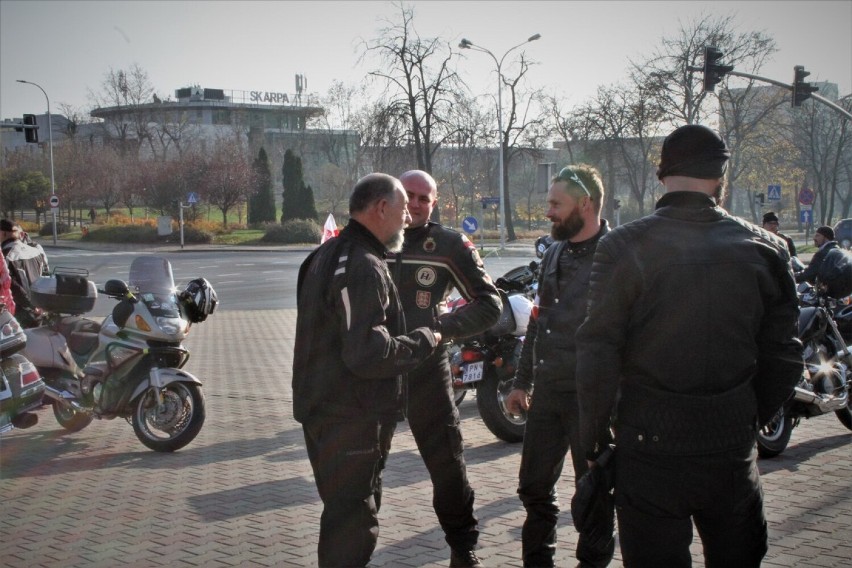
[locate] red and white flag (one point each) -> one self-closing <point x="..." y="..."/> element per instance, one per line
<point x="329" y="230"/>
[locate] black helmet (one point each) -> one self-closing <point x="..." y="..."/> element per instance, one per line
<point x="198" y="300"/>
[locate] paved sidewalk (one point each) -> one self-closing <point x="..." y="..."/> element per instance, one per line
<point x="242" y="493"/>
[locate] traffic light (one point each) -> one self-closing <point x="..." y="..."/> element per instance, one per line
<point x="30" y="134"/>
<point x="713" y="70"/>
<point x="801" y="90"/>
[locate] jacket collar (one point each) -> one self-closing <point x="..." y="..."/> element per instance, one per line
<point x="689" y="205"/>
<point x="358" y="232"/>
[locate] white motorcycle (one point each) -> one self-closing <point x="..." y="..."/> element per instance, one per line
<point x="130" y="365"/>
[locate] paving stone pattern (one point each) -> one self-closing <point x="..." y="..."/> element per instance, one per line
<point x="242" y="494"/>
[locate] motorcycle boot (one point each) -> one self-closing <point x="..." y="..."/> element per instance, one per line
<point x="466" y="558"/>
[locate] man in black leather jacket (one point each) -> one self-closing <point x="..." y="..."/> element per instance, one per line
<point x="433" y="262"/>
<point x="350" y="353"/>
<point x="548" y="363"/>
<point x="25" y="263"/>
<point x="691" y="342"/>
<point x="824" y="241"/>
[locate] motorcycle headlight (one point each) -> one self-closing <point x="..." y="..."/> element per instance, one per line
<point x="171" y="326"/>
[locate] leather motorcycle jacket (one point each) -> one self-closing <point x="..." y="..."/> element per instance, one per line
<point x="435" y="260"/>
<point x="351" y="346"/>
<point x="549" y="355"/>
<point x="693" y="320"/>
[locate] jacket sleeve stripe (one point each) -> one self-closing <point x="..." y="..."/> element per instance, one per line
<point x="344" y="296"/>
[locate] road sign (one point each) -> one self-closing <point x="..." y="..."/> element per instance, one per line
<point x="470" y="225"/>
<point x="806" y="216"/>
<point x="54" y="200"/>
<point x="773" y="192"/>
<point x="806" y="196"/>
<point x="192" y="198"/>
<point x="486" y="201"/>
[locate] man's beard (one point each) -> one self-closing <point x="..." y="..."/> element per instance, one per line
<point x="569" y="227"/>
<point x="394" y="244"/>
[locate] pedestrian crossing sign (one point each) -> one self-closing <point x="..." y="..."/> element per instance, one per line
<point x="773" y="192"/>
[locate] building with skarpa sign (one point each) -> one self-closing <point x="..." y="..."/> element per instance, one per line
<point x="198" y="117"/>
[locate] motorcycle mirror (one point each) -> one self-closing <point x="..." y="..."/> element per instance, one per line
<point x="115" y="288"/>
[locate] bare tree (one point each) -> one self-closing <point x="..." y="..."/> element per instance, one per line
<point x="672" y="73"/>
<point x="129" y="93"/>
<point x="229" y="178"/>
<point x="525" y="128"/>
<point x="824" y="146"/>
<point x="420" y="83"/>
<point x="104" y="180"/>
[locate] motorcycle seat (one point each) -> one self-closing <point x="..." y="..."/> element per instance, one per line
<point x="82" y="342"/>
<point x="74" y="324"/>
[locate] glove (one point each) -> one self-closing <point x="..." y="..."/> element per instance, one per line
<point x="593" y="503"/>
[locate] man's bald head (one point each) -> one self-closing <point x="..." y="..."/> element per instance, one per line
<point x="422" y="193"/>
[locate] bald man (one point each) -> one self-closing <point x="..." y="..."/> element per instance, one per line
<point x="433" y="261"/>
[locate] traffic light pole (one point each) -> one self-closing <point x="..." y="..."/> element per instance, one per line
<point x="50" y="147"/>
<point x="814" y="96"/>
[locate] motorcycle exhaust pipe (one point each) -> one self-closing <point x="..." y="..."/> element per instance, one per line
<point x="824" y="405"/>
<point x="66" y="399"/>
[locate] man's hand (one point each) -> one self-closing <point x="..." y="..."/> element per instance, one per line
<point x="518" y="401"/>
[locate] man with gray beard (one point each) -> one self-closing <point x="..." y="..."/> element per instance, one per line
<point x="548" y="363"/>
<point x="350" y="355"/>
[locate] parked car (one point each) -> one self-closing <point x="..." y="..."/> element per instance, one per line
<point x="843" y="233"/>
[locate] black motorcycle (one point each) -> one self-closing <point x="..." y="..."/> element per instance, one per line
<point x="21" y="385"/>
<point x="487" y="362"/>
<point x="825" y="383"/>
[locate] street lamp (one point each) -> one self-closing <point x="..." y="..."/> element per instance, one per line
<point x="50" y="146"/>
<point x="467" y="44"/>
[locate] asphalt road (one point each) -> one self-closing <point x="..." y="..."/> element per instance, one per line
<point x="243" y="279"/>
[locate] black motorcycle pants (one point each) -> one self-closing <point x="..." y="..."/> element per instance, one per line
<point x="347" y="459"/>
<point x="552" y="429"/>
<point x="659" y="497"/>
<point x="434" y="422"/>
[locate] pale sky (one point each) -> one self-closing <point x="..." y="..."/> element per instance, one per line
<point x="68" y="46"/>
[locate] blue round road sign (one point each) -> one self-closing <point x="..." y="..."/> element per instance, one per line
<point x="470" y="225"/>
<point x="806" y="196"/>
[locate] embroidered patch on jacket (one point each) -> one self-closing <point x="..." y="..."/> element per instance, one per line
<point x="423" y="299"/>
<point x="426" y="276"/>
<point x="429" y="245"/>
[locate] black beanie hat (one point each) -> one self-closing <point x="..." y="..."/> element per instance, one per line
<point x="770" y="217"/>
<point x="693" y="151"/>
<point x="7" y="225"/>
<point x="826" y="232"/>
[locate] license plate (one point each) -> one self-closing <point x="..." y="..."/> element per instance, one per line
<point x="473" y="372"/>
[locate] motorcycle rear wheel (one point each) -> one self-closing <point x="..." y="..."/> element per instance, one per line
<point x="69" y="418"/>
<point x="175" y="423"/>
<point x="491" y="403"/>
<point x="774" y="436"/>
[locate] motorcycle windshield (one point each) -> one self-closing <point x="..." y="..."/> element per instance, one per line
<point x="152" y="279"/>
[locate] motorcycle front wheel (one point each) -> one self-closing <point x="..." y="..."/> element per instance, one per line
<point x="491" y="402"/>
<point x="774" y="436"/>
<point x="69" y="418"/>
<point x="172" y="424"/>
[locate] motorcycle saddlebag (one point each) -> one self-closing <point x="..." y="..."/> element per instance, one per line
<point x="64" y="293"/>
<point x="835" y="273"/>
